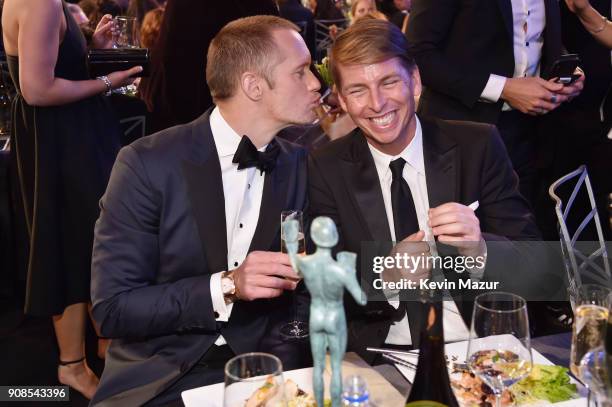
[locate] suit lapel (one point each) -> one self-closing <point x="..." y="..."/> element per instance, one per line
<point x="362" y="180"/>
<point x="205" y="191"/>
<point x="273" y="202"/>
<point x="505" y="7"/>
<point x="441" y="165"/>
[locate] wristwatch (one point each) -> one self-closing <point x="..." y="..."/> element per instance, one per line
<point x="228" y="287"/>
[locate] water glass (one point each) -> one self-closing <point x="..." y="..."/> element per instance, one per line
<point x="254" y="372"/>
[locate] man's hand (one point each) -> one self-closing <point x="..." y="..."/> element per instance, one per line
<point x="573" y="90"/>
<point x="533" y="95"/>
<point x="413" y="245"/>
<point x="457" y="225"/>
<point x="264" y="275"/>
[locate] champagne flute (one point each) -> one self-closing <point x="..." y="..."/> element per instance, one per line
<point x="499" y="348"/>
<point x="590" y="318"/>
<point x="254" y="372"/>
<point x="294" y="329"/>
<point x="595" y="366"/>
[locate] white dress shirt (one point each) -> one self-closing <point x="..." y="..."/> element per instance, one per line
<point x="414" y="174"/>
<point x="529" y="21"/>
<point x="242" y="193"/>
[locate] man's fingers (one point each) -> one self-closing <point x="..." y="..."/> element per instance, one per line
<point x="269" y="257"/>
<point x="452" y="229"/>
<point x="277" y="283"/>
<point x="444" y="208"/>
<point x="550" y="85"/>
<point x="271" y="269"/>
<point x="415" y="237"/>
<point x="446" y="218"/>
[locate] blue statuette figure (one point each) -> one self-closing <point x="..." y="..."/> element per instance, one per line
<point x="325" y="279"/>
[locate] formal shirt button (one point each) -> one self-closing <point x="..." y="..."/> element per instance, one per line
<point x="527" y="43"/>
<point x="248" y="186"/>
<point x="241" y="226"/>
<point x="235" y="264"/>
<point x="216" y="315"/>
<point x="528" y="12"/>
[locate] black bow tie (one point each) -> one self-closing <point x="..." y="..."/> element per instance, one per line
<point x="247" y="155"/>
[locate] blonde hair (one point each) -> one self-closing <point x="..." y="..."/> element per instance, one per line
<point x="369" y="41"/>
<point x="243" y="45"/>
<point x="355" y="3"/>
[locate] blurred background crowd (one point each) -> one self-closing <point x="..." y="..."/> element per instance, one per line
<point x="177" y="34"/>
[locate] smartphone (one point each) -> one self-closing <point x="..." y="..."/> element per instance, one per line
<point x="564" y="69"/>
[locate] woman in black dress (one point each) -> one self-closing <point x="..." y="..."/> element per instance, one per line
<point x="65" y="140"/>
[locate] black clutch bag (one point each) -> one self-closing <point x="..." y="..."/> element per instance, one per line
<point x="104" y="61"/>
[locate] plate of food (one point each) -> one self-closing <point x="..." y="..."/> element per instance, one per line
<point x="297" y="389"/>
<point x="546" y="385"/>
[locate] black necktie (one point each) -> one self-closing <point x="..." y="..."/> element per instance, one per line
<point x="404" y="214"/>
<point x="406" y="223"/>
<point x="247" y="155"/>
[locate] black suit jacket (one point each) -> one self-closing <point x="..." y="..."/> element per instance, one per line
<point x="459" y="43"/>
<point x="464" y="162"/>
<point x="160" y="236"/>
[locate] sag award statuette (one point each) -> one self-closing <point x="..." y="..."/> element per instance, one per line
<point x="325" y="279"/>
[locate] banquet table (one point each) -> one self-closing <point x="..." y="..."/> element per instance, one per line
<point x="555" y="348"/>
<point x="386" y="385"/>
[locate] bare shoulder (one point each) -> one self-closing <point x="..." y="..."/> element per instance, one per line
<point x="24" y="10"/>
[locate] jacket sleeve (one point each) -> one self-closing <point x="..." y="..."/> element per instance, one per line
<point x="127" y="299"/>
<point x="430" y="25"/>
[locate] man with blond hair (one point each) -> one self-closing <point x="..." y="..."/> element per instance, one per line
<point x="401" y="178"/>
<point x="186" y="271"/>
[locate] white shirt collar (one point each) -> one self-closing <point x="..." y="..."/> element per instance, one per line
<point x="413" y="154"/>
<point x="226" y="139"/>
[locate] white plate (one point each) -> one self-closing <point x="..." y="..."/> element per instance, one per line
<point x="212" y="396"/>
<point x="459" y="350"/>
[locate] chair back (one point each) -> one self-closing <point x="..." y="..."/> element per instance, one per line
<point x="323" y="39"/>
<point x="583" y="264"/>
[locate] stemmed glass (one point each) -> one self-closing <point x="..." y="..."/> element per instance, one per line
<point x="590" y="307"/>
<point x="247" y="373"/>
<point x="294" y="329"/>
<point x="499" y="349"/>
<point x="590" y="360"/>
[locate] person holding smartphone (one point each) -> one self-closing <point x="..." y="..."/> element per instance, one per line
<point x="487" y="61"/>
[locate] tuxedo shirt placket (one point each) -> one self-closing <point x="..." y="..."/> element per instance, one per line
<point x="243" y="192"/>
<point x="414" y="174"/>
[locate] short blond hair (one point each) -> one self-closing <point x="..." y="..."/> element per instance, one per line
<point x="369" y="41"/>
<point x="243" y="45"/>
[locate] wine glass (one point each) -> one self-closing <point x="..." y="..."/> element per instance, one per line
<point x="590" y="317"/>
<point x="294" y="329"/>
<point x="254" y="372"/>
<point x="499" y="348"/>
<point x="594" y="368"/>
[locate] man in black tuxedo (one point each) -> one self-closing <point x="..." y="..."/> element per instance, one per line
<point x="186" y="270"/>
<point x="402" y="178"/>
<point x="486" y="61"/>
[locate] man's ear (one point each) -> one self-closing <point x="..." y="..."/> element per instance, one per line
<point x="416" y="83"/>
<point x="251" y="85"/>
